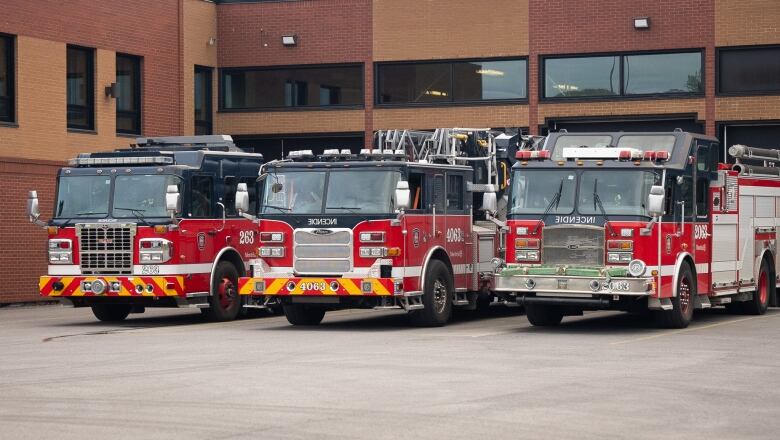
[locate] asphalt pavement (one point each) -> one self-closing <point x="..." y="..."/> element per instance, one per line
<point x="369" y="375"/>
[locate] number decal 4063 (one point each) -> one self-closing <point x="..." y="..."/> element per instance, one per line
<point x="246" y="237"/>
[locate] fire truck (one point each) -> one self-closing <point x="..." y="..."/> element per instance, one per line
<point x="410" y="224"/>
<point x="641" y="222"/>
<point x="151" y="226"/>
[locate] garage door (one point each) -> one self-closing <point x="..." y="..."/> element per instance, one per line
<point x="751" y="134"/>
<point x="277" y="146"/>
<point x="624" y="124"/>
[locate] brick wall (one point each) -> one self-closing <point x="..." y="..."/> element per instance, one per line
<point x="747" y="22"/>
<point x="200" y="24"/>
<point x="427" y="118"/>
<point x="23" y="258"/>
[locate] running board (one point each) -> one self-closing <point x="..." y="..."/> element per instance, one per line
<point x="702" y="302"/>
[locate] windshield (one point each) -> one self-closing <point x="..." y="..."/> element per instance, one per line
<point x="533" y="191"/>
<point x="620" y="192"/>
<point x="133" y="196"/>
<point x="82" y="196"/>
<point x="142" y="195"/>
<point x="329" y="192"/>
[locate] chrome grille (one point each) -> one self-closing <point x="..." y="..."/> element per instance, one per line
<point x="573" y="245"/>
<point x="322" y="251"/>
<point x="106" y="248"/>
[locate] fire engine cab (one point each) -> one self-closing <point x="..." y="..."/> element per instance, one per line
<point x="151" y="226"/>
<point x="391" y="227"/>
<point x="637" y="221"/>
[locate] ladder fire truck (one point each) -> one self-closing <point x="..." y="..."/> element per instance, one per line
<point x="638" y="221"/>
<point x="409" y="224"/>
<point x="151" y="226"/>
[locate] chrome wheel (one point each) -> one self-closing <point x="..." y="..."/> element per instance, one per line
<point x="685" y="295"/>
<point x="439" y="296"/>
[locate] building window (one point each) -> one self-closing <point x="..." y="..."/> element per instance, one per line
<point x="623" y="75"/>
<point x="6" y="79"/>
<point x="749" y="70"/>
<point x="452" y="82"/>
<point x="203" y="96"/>
<point x="128" y="100"/>
<point x="291" y="87"/>
<point x="81" y="88"/>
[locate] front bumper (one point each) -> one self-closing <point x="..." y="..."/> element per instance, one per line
<point x="306" y="286"/>
<point x="168" y="286"/>
<point x="584" y="284"/>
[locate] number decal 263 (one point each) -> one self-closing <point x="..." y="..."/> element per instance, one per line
<point x="246" y="237"/>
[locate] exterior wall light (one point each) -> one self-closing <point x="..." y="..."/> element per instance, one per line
<point x="289" y="40"/>
<point x="642" y="23"/>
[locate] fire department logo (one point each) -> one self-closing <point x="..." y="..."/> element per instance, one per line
<point x="322" y="231"/>
<point x="416" y="238"/>
<point x="201" y="240"/>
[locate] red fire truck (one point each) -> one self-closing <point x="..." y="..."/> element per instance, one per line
<point x="638" y="221"/>
<point x="392" y="227"/>
<point x="151" y="226"/>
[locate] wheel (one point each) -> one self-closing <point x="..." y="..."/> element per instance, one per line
<point x="436" y="298"/>
<point x="299" y="314"/>
<point x="682" y="304"/>
<point x="543" y="316"/>
<point x="484" y="300"/>
<point x="111" y="312"/>
<point x="735" y="308"/>
<point x="760" y="301"/>
<point x="224" y="302"/>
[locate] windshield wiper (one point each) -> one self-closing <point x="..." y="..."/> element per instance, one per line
<point x="352" y="209"/>
<point x="136" y="213"/>
<point x="597" y="202"/>
<point x="90" y="213"/>
<point x="280" y="208"/>
<point x="553" y="203"/>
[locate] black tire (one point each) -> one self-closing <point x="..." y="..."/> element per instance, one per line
<point x="543" y="316"/>
<point x="437" y="297"/>
<point x="760" y="301"/>
<point x="224" y="301"/>
<point x="735" y="308"/>
<point x="299" y="314"/>
<point x="111" y="312"/>
<point x="682" y="304"/>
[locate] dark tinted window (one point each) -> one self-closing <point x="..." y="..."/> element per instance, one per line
<point x="80" y="88"/>
<point x="662" y="73"/>
<point x="460" y="81"/>
<point x="6" y="79"/>
<point x="292" y="87"/>
<point x="573" y="77"/>
<point x="749" y="70"/>
<point x="642" y="74"/>
<point x="202" y="195"/>
<point x="203" y="96"/>
<point x="128" y="99"/>
<point x="438" y="193"/>
<point x="454" y="192"/>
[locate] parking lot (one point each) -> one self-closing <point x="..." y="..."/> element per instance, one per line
<point x="366" y="374"/>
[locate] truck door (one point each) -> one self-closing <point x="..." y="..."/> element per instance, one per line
<point x="704" y="172"/>
<point x="439" y="224"/>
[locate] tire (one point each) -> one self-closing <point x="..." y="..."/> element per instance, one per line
<point x="299" y="314"/>
<point x="682" y="304"/>
<point x="111" y="312"/>
<point x="436" y="298"/>
<point x="543" y="316"/>
<point x="224" y="300"/>
<point x="760" y="301"/>
<point x="735" y="308"/>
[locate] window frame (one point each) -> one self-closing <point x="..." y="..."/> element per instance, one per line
<point x="718" y="70"/>
<point x="9" y="41"/>
<point x="209" y="124"/>
<point x="90" y="86"/>
<point x="137" y="114"/>
<point x="221" y="88"/>
<point x="621" y="96"/>
<point x="451" y="103"/>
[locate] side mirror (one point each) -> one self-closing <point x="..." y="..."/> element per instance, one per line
<point x="655" y="201"/>
<point x="242" y="198"/>
<point x="402" y="195"/>
<point x="172" y="200"/>
<point x="33" y="209"/>
<point x="489" y="202"/>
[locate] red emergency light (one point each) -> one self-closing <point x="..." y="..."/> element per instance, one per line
<point x="527" y="154"/>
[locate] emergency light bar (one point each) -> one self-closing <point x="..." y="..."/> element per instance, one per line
<point x="528" y="154"/>
<point x="138" y="160"/>
<point x="602" y="153"/>
<point x="300" y="154"/>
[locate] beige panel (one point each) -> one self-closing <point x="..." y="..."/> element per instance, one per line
<point x="41" y="105"/>
<point x="438" y="29"/>
<point x="747" y="22"/>
<point x="747" y="108"/>
<point x="327" y="121"/>
<point x="200" y="24"/>
<point x="438" y="117"/>
<point x="617" y="108"/>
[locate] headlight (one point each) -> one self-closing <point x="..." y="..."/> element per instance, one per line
<point x="154" y="250"/>
<point x="60" y="251"/>
<point x="637" y="268"/>
<point x="273" y="252"/>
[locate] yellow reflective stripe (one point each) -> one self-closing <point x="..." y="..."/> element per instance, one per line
<point x="379" y="289"/>
<point x="350" y="286"/>
<point x="275" y="286"/>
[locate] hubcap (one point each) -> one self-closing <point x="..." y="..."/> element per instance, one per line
<point x="685" y="295"/>
<point x="763" y="287"/>
<point x="439" y="296"/>
<point x="227" y="293"/>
